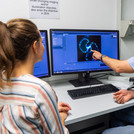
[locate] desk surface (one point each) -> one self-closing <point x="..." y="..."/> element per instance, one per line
<point x="89" y="107"/>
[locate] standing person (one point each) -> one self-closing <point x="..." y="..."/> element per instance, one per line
<point x="28" y="105"/>
<point x="122" y="121"/>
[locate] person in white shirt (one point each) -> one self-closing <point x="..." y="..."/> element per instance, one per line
<point x="122" y="122"/>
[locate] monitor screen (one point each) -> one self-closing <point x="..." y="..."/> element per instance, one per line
<point x="41" y="68"/>
<point x="71" y="49"/>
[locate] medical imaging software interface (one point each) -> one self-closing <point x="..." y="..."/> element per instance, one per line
<point x="71" y="50"/>
<point x="41" y="68"/>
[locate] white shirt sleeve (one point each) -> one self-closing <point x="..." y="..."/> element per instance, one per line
<point x="131" y="62"/>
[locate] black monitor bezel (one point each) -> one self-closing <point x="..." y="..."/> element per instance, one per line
<point x="85" y="30"/>
<point x="48" y="59"/>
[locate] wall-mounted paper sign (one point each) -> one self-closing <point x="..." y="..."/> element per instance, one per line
<point x="44" y="9"/>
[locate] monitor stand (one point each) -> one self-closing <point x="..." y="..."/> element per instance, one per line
<point x="84" y="79"/>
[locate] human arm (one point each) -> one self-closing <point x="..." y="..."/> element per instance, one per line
<point x="63" y="107"/>
<point x="48" y="110"/>
<point x="63" y="116"/>
<point x="63" y="111"/>
<point x="123" y="96"/>
<point x="119" y="66"/>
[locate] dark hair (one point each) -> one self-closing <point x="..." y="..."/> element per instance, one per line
<point x="16" y="38"/>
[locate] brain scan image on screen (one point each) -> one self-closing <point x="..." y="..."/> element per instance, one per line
<point x="85" y="44"/>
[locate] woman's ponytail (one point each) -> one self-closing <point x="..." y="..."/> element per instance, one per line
<point x="16" y="38"/>
<point x="7" y="55"/>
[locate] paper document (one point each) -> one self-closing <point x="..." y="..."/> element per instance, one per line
<point x="44" y="9"/>
<point x="120" y="85"/>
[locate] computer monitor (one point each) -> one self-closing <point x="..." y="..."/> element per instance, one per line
<point x="42" y="68"/>
<point x="71" y="51"/>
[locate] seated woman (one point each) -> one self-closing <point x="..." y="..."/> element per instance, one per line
<point x="28" y="105"/>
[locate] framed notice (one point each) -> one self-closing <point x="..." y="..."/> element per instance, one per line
<point x="44" y="9"/>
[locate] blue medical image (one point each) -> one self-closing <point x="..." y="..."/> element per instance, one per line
<point x="85" y="44"/>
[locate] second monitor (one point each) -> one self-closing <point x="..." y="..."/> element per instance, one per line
<point x="71" y="49"/>
<point x="42" y="69"/>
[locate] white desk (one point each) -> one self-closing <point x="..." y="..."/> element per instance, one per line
<point x="89" y="107"/>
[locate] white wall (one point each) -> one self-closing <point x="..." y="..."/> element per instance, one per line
<point x="127" y="45"/>
<point x="127" y="10"/>
<point x="84" y="14"/>
<point x="96" y="14"/>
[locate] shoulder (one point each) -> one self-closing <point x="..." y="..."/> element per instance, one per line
<point x="42" y="87"/>
<point x="33" y="80"/>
